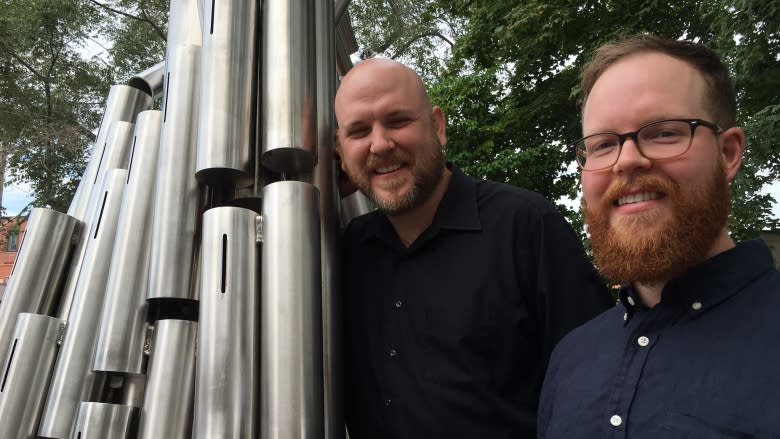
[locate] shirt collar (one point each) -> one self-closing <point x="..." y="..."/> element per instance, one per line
<point x="710" y="283"/>
<point x="457" y="210"/>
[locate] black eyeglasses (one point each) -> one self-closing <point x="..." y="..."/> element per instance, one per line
<point x="663" y="139"/>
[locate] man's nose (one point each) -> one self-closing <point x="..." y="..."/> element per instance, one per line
<point x="630" y="157"/>
<point x="381" y="140"/>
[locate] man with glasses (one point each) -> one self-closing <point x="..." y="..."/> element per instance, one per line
<point x="690" y="351"/>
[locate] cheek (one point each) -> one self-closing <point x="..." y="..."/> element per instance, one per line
<point x="593" y="186"/>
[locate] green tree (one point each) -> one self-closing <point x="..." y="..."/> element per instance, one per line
<point x="525" y="57"/>
<point x="49" y="95"/>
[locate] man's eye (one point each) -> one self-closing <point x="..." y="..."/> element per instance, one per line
<point x="397" y="123"/>
<point x="358" y="132"/>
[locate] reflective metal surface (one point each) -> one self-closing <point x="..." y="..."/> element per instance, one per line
<point x="354" y="205"/>
<point x="289" y="102"/>
<point x="291" y="323"/>
<point x="98" y="420"/>
<point x="150" y="81"/>
<point x="73" y="380"/>
<point x="123" y="318"/>
<point x="176" y="199"/>
<point x="39" y="270"/>
<point x="228" y="93"/>
<point x="25" y="373"/>
<point x="123" y="104"/>
<point x="115" y="155"/>
<point x="325" y="180"/>
<point x="228" y="351"/>
<point x="167" y="408"/>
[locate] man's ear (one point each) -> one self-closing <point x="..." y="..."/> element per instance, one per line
<point x="731" y="150"/>
<point x="439" y="124"/>
<point x="337" y="150"/>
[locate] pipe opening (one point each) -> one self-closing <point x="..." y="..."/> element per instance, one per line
<point x="132" y="154"/>
<point x="224" y="261"/>
<point x="8" y="366"/>
<point x="102" y="207"/>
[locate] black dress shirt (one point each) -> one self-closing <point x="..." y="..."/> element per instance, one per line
<point x="703" y="363"/>
<point x="449" y="337"/>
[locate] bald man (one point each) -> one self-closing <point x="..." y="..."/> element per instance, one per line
<point x="456" y="290"/>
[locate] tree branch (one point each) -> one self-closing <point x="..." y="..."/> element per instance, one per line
<point x="418" y="37"/>
<point x="143" y="19"/>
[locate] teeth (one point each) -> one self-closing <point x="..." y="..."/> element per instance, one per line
<point x="387" y="169"/>
<point x="636" y="198"/>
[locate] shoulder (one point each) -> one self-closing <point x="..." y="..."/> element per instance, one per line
<point x="360" y="227"/>
<point x="491" y="194"/>
<point x="585" y="340"/>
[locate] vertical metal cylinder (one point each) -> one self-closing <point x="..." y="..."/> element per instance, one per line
<point x="114" y="155"/>
<point x="353" y="205"/>
<point x="291" y="320"/>
<point x="227" y="402"/>
<point x="123" y="104"/>
<point x="176" y="199"/>
<point x="123" y="318"/>
<point x="40" y="269"/>
<point x="25" y="374"/>
<point x="170" y="384"/>
<point x="73" y="378"/>
<point x="228" y="93"/>
<point x="97" y="420"/>
<point x="325" y="180"/>
<point x="289" y="103"/>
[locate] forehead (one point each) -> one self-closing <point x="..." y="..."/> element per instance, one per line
<point x="642" y="88"/>
<point x="376" y="93"/>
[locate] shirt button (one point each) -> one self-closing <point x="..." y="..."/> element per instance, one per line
<point x="615" y="420"/>
<point x="696" y="306"/>
<point x="643" y="341"/>
<point x="631" y="301"/>
<point x="392" y="353"/>
<point x="388" y="401"/>
<point x="398" y="303"/>
<point x="625" y="316"/>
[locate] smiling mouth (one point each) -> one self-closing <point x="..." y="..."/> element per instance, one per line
<point x="637" y="198"/>
<point x="387" y="169"/>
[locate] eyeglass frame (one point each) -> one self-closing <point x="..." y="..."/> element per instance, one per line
<point x="634" y="135"/>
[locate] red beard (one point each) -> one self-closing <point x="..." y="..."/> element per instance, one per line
<point x="646" y="248"/>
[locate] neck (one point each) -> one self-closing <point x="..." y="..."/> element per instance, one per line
<point x="650" y="292"/>
<point x="410" y="225"/>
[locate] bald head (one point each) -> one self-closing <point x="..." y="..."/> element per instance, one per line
<point x="376" y="79"/>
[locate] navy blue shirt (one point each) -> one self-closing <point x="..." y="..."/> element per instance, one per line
<point x="703" y="363"/>
<point x="450" y="337"/>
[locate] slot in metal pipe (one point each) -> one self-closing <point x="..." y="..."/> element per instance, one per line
<point x="97" y="420"/>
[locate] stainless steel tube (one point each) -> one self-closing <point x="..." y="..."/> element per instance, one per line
<point x="228" y="93"/>
<point x="228" y="346"/>
<point x="40" y="269"/>
<point x="150" y="81"/>
<point x="73" y="378"/>
<point x="25" y="374"/>
<point x="122" y="326"/>
<point x="325" y="180"/>
<point x="176" y="199"/>
<point x="289" y="102"/>
<point x="168" y="402"/>
<point x="291" y="319"/>
<point x="97" y="420"/>
<point x="353" y="205"/>
<point x="115" y="155"/>
<point x="123" y="104"/>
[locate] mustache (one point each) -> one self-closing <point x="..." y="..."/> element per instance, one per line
<point x="395" y="156"/>
<point x="643" y="183"/>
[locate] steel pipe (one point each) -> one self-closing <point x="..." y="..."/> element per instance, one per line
<point x="291" y="318"/>
<point x="228" y="94"/>
<point x="289" y="102"/>
<point x="150" y="81"/>
<point x="168" y="402"/>
<point x="123" y="104"/>
<point x="173" y="233"/>
<point x="227" y="402"/>
<point x="123" y="318"/>
<point x="98" y="420"/>
<point x="73" y="380"/>
<point x="26" y="372"/>
<point x="40" y="269"/>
